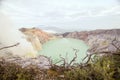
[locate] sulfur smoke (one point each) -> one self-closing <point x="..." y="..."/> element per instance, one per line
<point x="9" y="35"/>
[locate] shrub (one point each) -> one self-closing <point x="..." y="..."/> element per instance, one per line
<point x="102" y="68"/>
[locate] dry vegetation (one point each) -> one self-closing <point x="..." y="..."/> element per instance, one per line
<point x="104" y="68"/>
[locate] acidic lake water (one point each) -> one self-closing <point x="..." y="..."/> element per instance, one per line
<point x="64" y="47"/>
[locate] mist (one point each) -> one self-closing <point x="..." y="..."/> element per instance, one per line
<point x="10" y="35"/>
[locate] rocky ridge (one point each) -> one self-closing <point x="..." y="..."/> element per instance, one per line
<point x="100" y="40"/>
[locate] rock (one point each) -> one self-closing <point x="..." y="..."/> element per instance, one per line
<point x="41" y="62"/>
<point x="36" y="36"/>
<point x="101" y="40"/>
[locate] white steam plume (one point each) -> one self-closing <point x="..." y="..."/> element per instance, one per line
<point x="10" y="35"/>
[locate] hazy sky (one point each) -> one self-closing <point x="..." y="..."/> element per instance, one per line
<point x="73" y="14"/>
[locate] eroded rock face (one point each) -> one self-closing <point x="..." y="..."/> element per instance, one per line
<point x="97" y="40"/>
<point x="36" y="36"/>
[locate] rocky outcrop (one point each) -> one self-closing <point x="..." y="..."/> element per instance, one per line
<point x="83" y="35"/>
<point x="97" y="40"/>
<point x="36" y="36"/>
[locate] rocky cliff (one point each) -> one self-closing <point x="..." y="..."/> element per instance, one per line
<point x="36" y="36"/>
<point x="97" y="40"/>
<point x="83" y="35"/>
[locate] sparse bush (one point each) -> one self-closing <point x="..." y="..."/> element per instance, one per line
<point x="101" y="68"/>
<point x="12" y="71"/>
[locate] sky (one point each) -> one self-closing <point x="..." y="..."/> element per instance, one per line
<point x="66" y="14"/>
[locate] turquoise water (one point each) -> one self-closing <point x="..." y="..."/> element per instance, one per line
<point x="64" y="47"/>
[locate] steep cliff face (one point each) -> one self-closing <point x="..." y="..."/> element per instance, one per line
<point x="77" y="35"/>
<point x="100" y="40"/>
<point x="36" y="36"/>
<point x="84" y="35"/>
